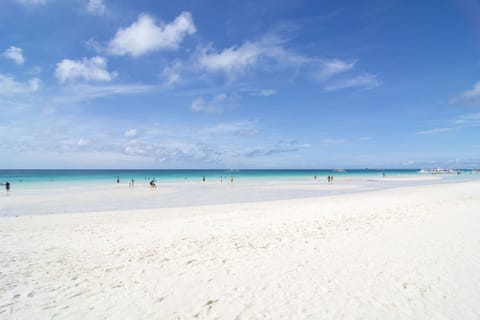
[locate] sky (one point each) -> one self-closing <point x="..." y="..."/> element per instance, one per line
<point x="239" y="84"/>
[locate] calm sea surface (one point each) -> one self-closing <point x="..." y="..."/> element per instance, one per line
<point x="109" y="176"/>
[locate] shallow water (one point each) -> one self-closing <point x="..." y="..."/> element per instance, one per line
<point x="98" y="191"/>
<point x="20" y="179"/>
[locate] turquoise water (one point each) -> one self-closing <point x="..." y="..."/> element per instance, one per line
<point x="110" y="176"/>
<point x="33" y="179"/>
<point x="58" y="178"/>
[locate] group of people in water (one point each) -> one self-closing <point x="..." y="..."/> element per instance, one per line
<point x="221" y="179"/>
<point x="131" y="183"/>
<point x="329" y="179"/>
<point x="153" y="182"/>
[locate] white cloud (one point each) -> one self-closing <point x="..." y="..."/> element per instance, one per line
<point x="131" y="133"/>
<point x="331" y="68"/>
<point x="15" y="54"/>
<point x="174" y="152"/>
<point x="231" y="60"/>
<point x="96" y="7"/>
<point x="32" y="2"/>
<point x="471" y="96"/>
<point x="8" y="85"/>
<point x="238" y="128"/>
<point x="264" y="93"/>
<point x="468" y="118"/>
<point x="34" y="71"/>
<point x="94" y="45"/>
<point x="472" y="93"/>
<point x="434" y="131"/>
<point x="216" y="105"/>
<point x="82" y="92"/>
<point x="409" y="162"/>
<point x="460" y="122"/>
<point x="291" y="146"/>
<point x="333" y="141"/>
<point x="145" y="36"/>
<point x="93" y="69"/>
<point x="365" y="81"/>
<point x="235" y="60"/>
<point x="171" y="74"/>
<point x="83" y="142"/>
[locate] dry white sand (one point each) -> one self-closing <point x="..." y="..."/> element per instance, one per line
<point x="411" y="253"/>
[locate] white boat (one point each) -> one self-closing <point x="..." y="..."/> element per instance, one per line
<point x="440" y="171"/>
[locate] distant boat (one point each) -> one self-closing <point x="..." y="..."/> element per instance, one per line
<point x="339" y="170"/>
<point x="440" y="171"/>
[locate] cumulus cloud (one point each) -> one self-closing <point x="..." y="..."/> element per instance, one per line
<point x="96" y="7"/>
<point x="8" y="85"/>
<point x="231" y="60"/>
<point x="131" y="133"/>
<point x="145" y="35"/>
<point x="236" y="60"/>
<point x="93" y="69"/>
<point x="15" y="54"/>
<point x="365" y="81"/>
<point x="331" y="68"/>
<point x="215" y="105"/>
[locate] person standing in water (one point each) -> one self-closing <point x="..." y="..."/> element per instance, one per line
<point x="118" y="179"/>
<point x="7" y="186"/>
<point x="203" y="179"/>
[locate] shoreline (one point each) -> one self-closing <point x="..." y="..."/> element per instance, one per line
<point x="226" y="206"/>
<point x="169" y="195"/>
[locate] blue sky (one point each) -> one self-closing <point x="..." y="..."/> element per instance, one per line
<point x="239" y="84"/>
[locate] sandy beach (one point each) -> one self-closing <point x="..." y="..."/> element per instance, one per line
<point x="402" y="253"/>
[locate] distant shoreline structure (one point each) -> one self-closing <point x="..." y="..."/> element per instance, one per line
<point x="440" y="171"/>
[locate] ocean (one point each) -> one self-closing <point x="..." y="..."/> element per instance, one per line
<point x="104" y="177"/>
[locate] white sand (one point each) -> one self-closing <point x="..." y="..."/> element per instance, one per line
<point x="411" y="253"/>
